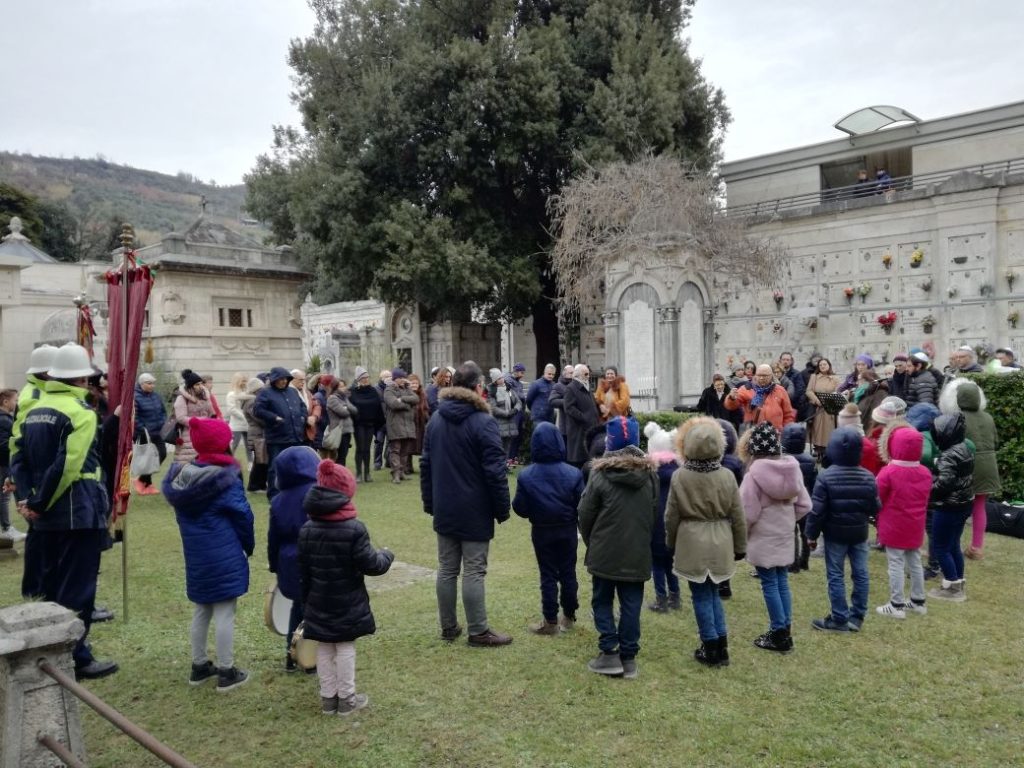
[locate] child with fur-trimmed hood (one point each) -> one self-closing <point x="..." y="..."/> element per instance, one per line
<point x="705" y="528"/>
<point x="617" y="515"/>
<point x="774" y="498"/>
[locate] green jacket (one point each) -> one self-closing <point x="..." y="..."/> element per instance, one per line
<point x="617" y="515"/>
<point x="981" y="430"/>
<point x="27" y="398"/>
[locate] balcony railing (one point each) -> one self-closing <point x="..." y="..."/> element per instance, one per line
<point x="871" y="192"/>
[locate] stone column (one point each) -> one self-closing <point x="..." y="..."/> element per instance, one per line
<point x="31" y="703"/>
<point x="612" y="339"/>
<point x="667" y="354"/>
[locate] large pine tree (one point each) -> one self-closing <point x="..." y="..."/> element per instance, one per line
<point x="434" y="132"/>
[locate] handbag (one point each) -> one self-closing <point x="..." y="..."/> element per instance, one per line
<point x="145" y="457"/>
<point x="303" y="651"/>
<point x="170" y="431"/>
<point x="332" y="438"/>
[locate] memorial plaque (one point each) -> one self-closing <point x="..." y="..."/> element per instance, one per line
<point x="968" y="249"/>
<point x="638" y="338"/>
<point x="691" y="349"/>
<point x="841" y="263"/>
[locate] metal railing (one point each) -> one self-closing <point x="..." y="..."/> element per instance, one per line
<point x="122" y="723"/>
<point x="840" y="198"/>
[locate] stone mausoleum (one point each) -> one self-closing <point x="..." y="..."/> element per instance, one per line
<point x="938" y="241"/>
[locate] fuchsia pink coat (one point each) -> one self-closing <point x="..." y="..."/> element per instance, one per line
<point x="774" y="498"/>
<point x="903" y="486"/>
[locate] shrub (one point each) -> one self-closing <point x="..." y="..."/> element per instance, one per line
<point x="1005" y="395"/>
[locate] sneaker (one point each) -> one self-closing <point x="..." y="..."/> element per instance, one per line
<point x="95" y="669"/>
<point x="329" y="705"/>
<point x="202" y="672"/>
<point x="566" y="623"/>
<point x="545" y="628"/>
<point x="950" y="590"/>
<point x="855" y="623"/>
<point x="488" y="639"/>
<point x="828" y="625"/>
<point x="919" y="608"/>
<point x="450" y="634"/>
<point x="229" y="678"/>
<point x="629" y="670"/>
<point x="356" y="701"/>
<point x="606" y="664"/>
<point x="13" y="534"/>
<point x="892" y="610"/>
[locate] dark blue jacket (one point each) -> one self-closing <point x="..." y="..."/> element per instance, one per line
<point x="296" y="474"/>
<point x="794" y="443"/>
<point x="432" y="392"/>
<point x="537" y="400"/>
<point x="282" y="412"/>
<point x="845" y="495"/>
<point x="658" y="545"/>
<point x="463" y="479"/>
<point x="216" y="527"/>
<point x="150" y="413"/>
<point x="730" y="460"/>
<point x="549" y="490"/>
<point x="6" y="425"/>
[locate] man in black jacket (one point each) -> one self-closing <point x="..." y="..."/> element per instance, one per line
<point x="283" y="413"/>
<point x="464" y="487"/>
<point x="557" y="398"/>
<point x="581" y="415"/>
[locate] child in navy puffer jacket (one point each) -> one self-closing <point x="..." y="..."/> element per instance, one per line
<point x="665" y="460"/>
<point x="295" y="469"/>
<point x="217" y="536"/>
<point x="845" y="497"/>
<point x="794" y="443"/>
<point x="547" y="494"/>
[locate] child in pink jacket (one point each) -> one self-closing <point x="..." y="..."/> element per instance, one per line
<point x="774" y="498"/>
<point x="903" y="486"/>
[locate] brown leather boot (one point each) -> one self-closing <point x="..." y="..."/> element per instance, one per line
<point x="489" y="639"/>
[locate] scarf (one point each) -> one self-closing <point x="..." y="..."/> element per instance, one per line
<point x="760" y="393"/>
<point x="702" y="465"/>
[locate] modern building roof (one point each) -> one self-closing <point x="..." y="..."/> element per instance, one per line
<point x="871" y="119"/>
<point x="17" y="246"/>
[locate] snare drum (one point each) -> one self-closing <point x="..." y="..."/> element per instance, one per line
<point x="276" y="610"/>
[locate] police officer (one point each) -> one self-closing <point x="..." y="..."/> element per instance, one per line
<point x="35" y="381"/>
<point x="60" y="491"/>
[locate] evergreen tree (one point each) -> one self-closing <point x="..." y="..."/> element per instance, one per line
<point x="434" y="132"/>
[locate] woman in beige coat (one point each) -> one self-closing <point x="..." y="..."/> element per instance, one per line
<point x="705" y="527"/>
<point x="823" y="380"/>
<point x="192" y="401"/>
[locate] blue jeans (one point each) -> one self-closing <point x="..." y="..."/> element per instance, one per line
<point x="665" y="582"/>
<point x="947" y="528"/>
<point x="626" y="637"/>
<point x="555" y="548"/>
<point x="708" y="610"/>
<point x="835" y="562"/>
<point x="777" y="598"/>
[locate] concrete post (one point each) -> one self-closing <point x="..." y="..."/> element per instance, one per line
<point x="31" y="703"/>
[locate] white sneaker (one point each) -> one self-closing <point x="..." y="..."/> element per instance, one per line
<point x="13" y="534"/>
<point x="919" y="608"/>
<point x="891" y="610"/>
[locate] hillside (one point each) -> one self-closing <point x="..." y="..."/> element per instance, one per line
<point x="154" y="203"/>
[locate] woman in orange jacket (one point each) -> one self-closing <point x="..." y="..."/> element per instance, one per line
<point x="612" y="395"/>
<point x="765" y="401"/>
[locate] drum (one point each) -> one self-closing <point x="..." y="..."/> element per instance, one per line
<point x="303" y="651"/>
<point x="276" y="610"/>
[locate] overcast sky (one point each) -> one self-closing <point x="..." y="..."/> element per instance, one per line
<point x="195" y="85"/>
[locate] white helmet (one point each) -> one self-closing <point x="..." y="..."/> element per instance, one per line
<point x="41" y="359"/>
<point x="71" y="362"/>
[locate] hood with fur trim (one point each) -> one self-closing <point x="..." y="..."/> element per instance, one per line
<point x="777" y="477"/>
<point x="962" y="395"/>
<point x="458" y="403"/>
<point x="700" y="439"/>
<point x="628" y="466"/>
<point x="900" y="442"/>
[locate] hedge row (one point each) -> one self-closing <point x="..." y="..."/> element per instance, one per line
<point x="1005" y="395"/>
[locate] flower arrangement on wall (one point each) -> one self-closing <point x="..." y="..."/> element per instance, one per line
<point x="916" y="257"/>
<point x="887" y="321"/>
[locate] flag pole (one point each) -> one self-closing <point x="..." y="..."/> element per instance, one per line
<point x="127" y="243"/>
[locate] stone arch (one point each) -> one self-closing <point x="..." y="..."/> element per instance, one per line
<point x="631" y="282"/>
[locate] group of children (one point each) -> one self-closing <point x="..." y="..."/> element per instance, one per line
<point x="688" y="510"/>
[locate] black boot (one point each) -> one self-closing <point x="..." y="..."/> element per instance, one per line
<point x="709" y="653"/>
<point x="725" y="590"/>
<point x="723" y="650"/>
<point x="775" y="640"/>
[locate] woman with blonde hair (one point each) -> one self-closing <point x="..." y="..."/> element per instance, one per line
<point x="236" y="419"/>
<point x="612" y="395"/>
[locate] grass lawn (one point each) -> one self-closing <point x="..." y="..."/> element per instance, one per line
<point x="938" y="690"/>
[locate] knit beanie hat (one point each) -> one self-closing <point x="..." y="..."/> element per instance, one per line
<point x="331" y="475"/>
<point x="360" y="372"/>
<point x="764" y="440"/>
<point x="900" y="356"/>
<point x="884" y="413"/>
<point x="620" y="432"/>
<point x="254" y="385"/>
<point x="398" y="373"/>
<point x="212" y="440"/>
<point x="898" y="403"/>
<point x="191" y="378"/>
<point x="849" y="416"/>
<point x="495" y="374"/>
<point x="866" y="359"/>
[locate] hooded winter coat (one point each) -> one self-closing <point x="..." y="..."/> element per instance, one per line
<point x="617" y="514"/>
<point x="463" y="477"/>
<point x="186" y="406"/>
<point x="730" y="460"/>
<point x="581" y="415"/>
<point x="774" y="498"/>
<point x="704" y="524"/>
<point x="369" y="405"/>
<point x="794" y="443"/>
<point x="150" y="413"/>
<point x="400" y="411"/>
<point x="216" y="527"/>
<point x="282" y="411"/>
<point x="549" y="490"/>
<point x="845" y="495"/>
<point x="953" y="485"/>
<point x="334" y="554"/>
<point x="296" y="474"/>
<point x="903" y="487"/>
<point x="967" y="397"/>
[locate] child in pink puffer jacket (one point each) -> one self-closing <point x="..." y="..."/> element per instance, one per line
<point x="903" y="486"/>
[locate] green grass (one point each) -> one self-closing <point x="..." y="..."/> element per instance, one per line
<point x="943" y="689"/>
